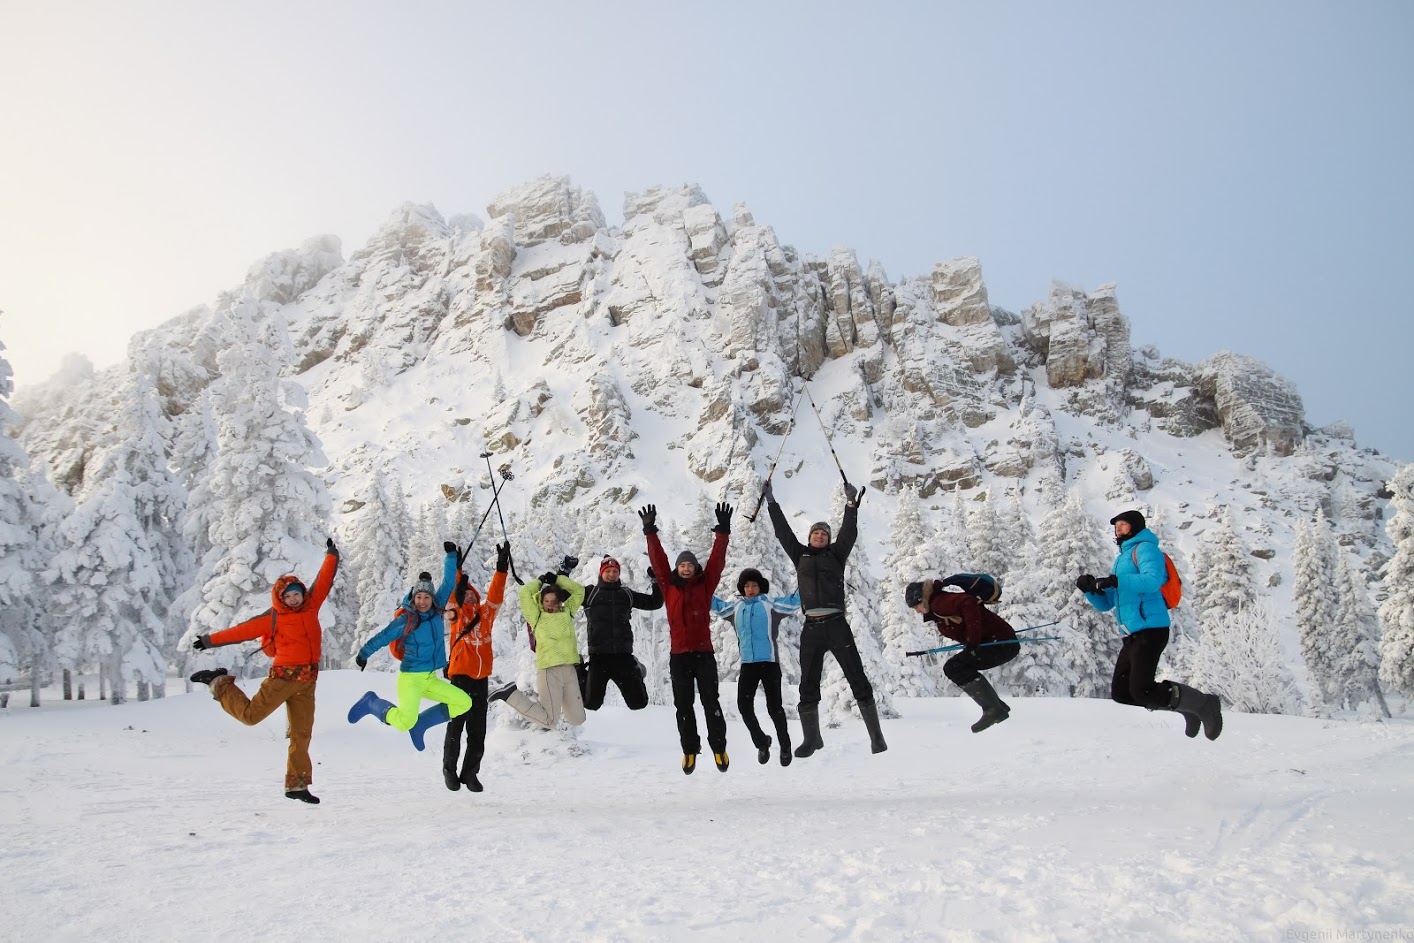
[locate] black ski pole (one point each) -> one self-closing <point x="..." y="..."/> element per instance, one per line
<point x="790" y="426"/>
<point x="506" y="475"/>
<point x="828" y="440"/>
<point x="495" y="493"/>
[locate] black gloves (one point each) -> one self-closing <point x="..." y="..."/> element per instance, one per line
<point x="449" y="546"/>
<point x="568" y="564"/>
<point x="724" y="518"/>
<point x="853" y="495"/>
<point x="548" y="579"/>
<point x="201" y="643"/>
<point x="651" y="577"/>
<point x="766" y="493"/>
<point x="1085" y="583"/>
<point x="649" y="515"/>
<point x="361" y="662"/>
<point x="503" y="556"/>
<point x="329" y="546"/>
<point x="1106" y="582"/>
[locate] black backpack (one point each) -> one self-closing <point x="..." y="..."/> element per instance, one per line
<point x="985" y="587"/>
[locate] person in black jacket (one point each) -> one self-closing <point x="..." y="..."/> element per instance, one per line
<point x="819" y="570"/>
<point x="608" y="607"/>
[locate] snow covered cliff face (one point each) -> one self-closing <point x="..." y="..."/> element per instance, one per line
<point x="661" y="360"/>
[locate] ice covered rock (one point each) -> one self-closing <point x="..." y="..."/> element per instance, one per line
<point x="1258" y="409"/>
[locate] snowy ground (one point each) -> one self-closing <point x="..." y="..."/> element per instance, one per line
<point x="1073" y="820"/>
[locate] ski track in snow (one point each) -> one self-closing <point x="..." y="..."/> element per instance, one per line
<point x="1073" y="820"/>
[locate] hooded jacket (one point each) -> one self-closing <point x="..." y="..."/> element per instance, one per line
<point x="1137" y="600"/>
<point x="819" y="571"/>
<point x="608" y="608"/>
<point x="689" y="602"/>
<point x="424" y="633"/>
<point x="296" y="637"/>
<point x="962" y="618"/>
<point x="469" y="631"/>
<point x="756" y="619"/>
<point x="555" y="643"/>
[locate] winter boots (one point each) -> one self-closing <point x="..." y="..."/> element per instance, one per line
<point x="434" y="715"/>
<point x="501" y="693"/>
<point x="450" y="779"/>
<point x="1197" y="708"/>
<point x="870" y="713"/>
<point x="722" y="760"/>
<point x="471" y="782"/>
<point x="809" y="732"/>
<point x="689" y="763"/>
<point x="303" y="795"/>
<point x="763" y="753"/>
<point x="207" y="676"/>
<point x="369" y="705"/>
<point x="786" y="754"/>
<point x="994" y="710"/>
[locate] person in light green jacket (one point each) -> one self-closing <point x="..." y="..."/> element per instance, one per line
<point x="549" y="605"/>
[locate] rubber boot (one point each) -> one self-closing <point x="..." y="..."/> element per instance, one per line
<point x="994" y="710"/>
<point x="434" y="715"/>
<point x="369" y="705"/>
<point x="870" y="713"/>
<point x="809" y="732"/>
<point x="1206" y="708"/>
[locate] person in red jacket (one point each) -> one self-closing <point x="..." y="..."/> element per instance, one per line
<point x="469" y="622"/>
<point x="687" y="597"/>
<point x="989" y="642"/>
<point x="289" y="632"/>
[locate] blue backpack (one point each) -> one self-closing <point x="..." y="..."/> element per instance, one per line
<point x="985" y="587"/>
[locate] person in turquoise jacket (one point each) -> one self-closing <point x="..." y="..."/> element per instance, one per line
<point x="419" y="630"/>
<point x="549" y="605"/>
<point x="756" y="617"/>
<point x="1132" y="590"/>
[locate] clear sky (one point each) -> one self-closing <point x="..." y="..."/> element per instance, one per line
<point x="1242" y="170"/>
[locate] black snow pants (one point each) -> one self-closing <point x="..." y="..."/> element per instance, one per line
<point x="697" y="672"/>
<point x="473" y="722"/>
<point x="623" y="671"/>
<point x="1133" y="681"/>
<point x="830" y="634"/>
<point x="966" y="667"/>
<point x="767" y="674"/>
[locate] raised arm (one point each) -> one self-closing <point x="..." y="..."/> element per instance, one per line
<point x="784" y="534"/>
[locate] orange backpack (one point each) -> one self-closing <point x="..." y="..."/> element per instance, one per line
<point x="398" y="645"/>
<point x="1172" y="589"/>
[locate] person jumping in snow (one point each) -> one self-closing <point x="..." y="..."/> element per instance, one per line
<point x="419" y="630"/>
<point x="692" y="664"/>
<point x="756" y="617"/>
<point x="549" y="605"/>
<point x="819" y="570"/>
<point x="962" y="618"/>
<point x="469" y="622"/>
<point x="608" y="608"/>
<point x="290" y="633"/>
<point x="1133" y="590"/>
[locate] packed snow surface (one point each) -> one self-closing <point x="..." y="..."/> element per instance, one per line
<point x="1075" y="819"/>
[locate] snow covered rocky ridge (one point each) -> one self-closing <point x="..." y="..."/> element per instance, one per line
<point x="659" y="362"/>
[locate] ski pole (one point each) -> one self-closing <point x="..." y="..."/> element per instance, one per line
<point x="790" y="426"/>
<point x="953" y="648"/>
<point x="495" y="493"/>
<point x="505" y="474"/>
<point x="1032" y="628"/>
<point x="828" y="441"/>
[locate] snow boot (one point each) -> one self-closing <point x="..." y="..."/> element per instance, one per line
<point x="370" y="705"/>
<point x="763" y="754"/>
<point x="434" y="715"/>
<point x="809" y="732"/>
<point x="994" y="710"/>
<point x="870" y="713"/>
<point x="689" y="763"/>
<point x="501" y="693"/>
<point x="722" y="760"/>
<point x="786" y="755"/>
<point x="207" y="676"/>
<point x="303" y="795"/>
<point x="1206" y="708"/>
<point x="449" y="777"/>
<point x="1191" y="722"/>
<point x="471" y="782"/>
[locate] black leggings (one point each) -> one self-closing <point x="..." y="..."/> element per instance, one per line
<point x="1133" y="681"/>
<point x="966" y="667"/>
<point x="766" y="674"/>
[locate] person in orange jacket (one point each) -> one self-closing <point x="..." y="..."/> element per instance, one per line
<point x="469" y="622"/>
<point x="289" y="632"/>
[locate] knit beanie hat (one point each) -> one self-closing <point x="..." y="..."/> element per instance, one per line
<point x="689" y="556"/>
<point x="608" y="562"/>
<point x="821" y="525"/>
<point x="424" y="585"/>
<point x="1135" y="519"/>
<point x="294" y="586"/>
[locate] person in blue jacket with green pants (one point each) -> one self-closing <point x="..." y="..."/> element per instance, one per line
<point x="756" y="617"/>
<point x="1133" y="591"/>
<point x="419" y="628"/>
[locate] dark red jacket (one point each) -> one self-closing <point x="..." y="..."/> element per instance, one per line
<point x="688" y="603"/>
<point x="963" y="618"/>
